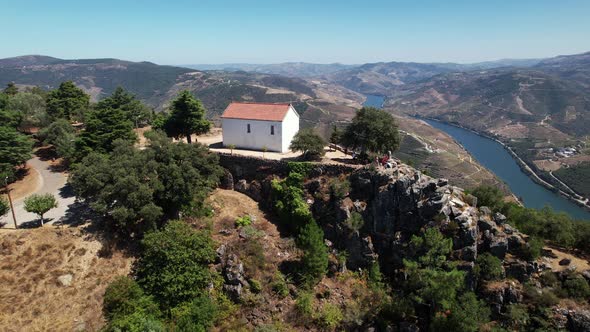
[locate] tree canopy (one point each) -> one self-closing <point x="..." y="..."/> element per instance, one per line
<point x="173" y="266"/>
<point x="4" y="206"/>
<point x="308" y="142"/>
<point x="137" y="188"/>
<point x="15" y="149"/>
<point x="372" y="130"/>
<point x="136" y="112"/>
<point x="30" y="108"/>
<point x="62" y="136"/>
<point x="187" y="117"/>
<point x="68" y="101"/>
<point x="103" y="128"/>
<point x="40" y="204"/>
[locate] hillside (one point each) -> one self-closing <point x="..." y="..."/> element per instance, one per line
<point x="156" y="84"/>
<point x="290" y="69"/>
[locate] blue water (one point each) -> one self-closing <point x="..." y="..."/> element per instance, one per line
<point x="494" y="157"/>
<point x="374" y="101"/>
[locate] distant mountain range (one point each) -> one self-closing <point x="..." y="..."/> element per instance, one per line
<point x="553" y="91"/>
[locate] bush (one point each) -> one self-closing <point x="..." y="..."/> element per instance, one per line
<point x="339" y="187"/>
<point x="577" y="287"/>
<point x="279" y="285"/>
<point x="549" y="279"/>
<point x="243" y="221"/>
<point x="517" y="315"/>
<point x="532" y="249"/>
<point x="198" y="315"/>
<point x="304" y="305"/>
<point x="489" y="196"/>
<point x="488" y="267"/>
<point x="123" y="297"/>
<point x="330" y="316"/>
<point x="4" y="206"/>
<point x="136" y="322"/>
<point x="255" y="286"/>
<point x="173" y="266"/>
<point x="355" y="222"/>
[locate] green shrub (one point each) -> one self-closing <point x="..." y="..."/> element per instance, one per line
<point x="532" y="249"/>
<point x="548" y="279"/>
<point x="355" y="222"/>
<point x="330" y="316"/>
<point x="302" y="168"/>
<point x="197" y="315"/>
<point x="339" y="187"/>
<point x="518" y="315"/>
<point x="255" y="286"/>
<point x="488" y="267"/>
<point x="135" y="322"/>
<point x="304" y="305"/>
<point x="279" y="285"/>
<point x="577" y="287"/>
<point x="243" y="221"/>
<point x="123" y="296"/>
<point x="314" y="263"/>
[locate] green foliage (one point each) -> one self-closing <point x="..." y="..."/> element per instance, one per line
<point x="488" y="267"/>
<point x="10" y="118"/>
<point x="15" y="149"/>
<point x="309" y="143"/>
<point x="135" y="111"/>
<point x="336" y="135"/>
<point x="304" y="305"/>
<point x="4" y="206"/>
<point x="67" y="101"/>
<point x="541" y="298"/>
<point x="431" y="248"/>
<point x="135" y="322"/>
<point x="314" y="263"/>
<point x="187" y="117"/>
<point x="62" y="136"/>
<point x="468" y="314"/>
<point x="302" y="168"/>
<point x="287" y="197"/>
<point x="489" y="196"/>
<point x="11" y="89"/>
<point x="123" y="297"/>
<point x="577" y="177"/>
<point x="197" y="315"/>
<point x="339" y="187"/>
<point x="577" y="287"/>
<point x="30" y="108"/>
<point x="255" y="286"/>
<point x="243" y="221"/>
<point x="330" y="316"/>
<point x="136" y="188"/>
<point x="355" y="222"/>
<point x="40" y="204"/>
<point x="436" y="287"/>
<point x="532" y="250"/>
<point x="173" y="266"/>
<point x="372" y="130"/>
<point x="103" y="128"/>
<point x="279" y="285"/>
<point x="518" y="315"/>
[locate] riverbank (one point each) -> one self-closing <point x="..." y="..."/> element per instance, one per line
<point x="524" y="167"/>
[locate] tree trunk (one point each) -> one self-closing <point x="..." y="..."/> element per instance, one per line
<point x="41" y="220"/>
<point x="189" y="139"/>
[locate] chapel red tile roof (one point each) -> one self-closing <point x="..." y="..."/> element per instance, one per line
<point x="256" y="111"/>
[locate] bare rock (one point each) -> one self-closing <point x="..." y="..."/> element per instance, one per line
<point x="565" y="261"/>
<point x="578" y="321"/>
<point x="65" y="280"/>
<point x="499" y="247"/>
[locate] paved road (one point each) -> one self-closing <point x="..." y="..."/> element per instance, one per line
<point x="51" y="182"/>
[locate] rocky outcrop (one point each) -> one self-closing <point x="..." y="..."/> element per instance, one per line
<point x="233" y="274"/>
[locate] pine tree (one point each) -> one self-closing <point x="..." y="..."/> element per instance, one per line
<point x="187" y="117"/>
<point x="315" y="254"/>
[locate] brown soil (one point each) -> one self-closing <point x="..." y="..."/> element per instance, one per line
<point x="32" y="297"/>
<point x="25" y="185"/>
<point x="581" y="264"/>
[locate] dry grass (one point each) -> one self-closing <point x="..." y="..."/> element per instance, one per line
<point x="33" y="299"/>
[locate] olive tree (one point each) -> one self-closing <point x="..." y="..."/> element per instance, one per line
<point x="40" y="204"/>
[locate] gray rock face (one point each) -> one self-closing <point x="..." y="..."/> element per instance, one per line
<point x="499" y="218"/>
<point x="233" y="273"/>
<point x="578" y="321"/>
<point x="499" y="247"/>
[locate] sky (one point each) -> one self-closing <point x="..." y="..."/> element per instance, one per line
<point x="274" y="31"/>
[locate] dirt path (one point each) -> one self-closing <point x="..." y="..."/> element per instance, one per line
<point x="50" y="182"/>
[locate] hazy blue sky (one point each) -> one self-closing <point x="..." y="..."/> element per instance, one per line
<point x="220" y="31"/>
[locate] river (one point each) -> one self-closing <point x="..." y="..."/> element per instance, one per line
<point x="494" y="157"/>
